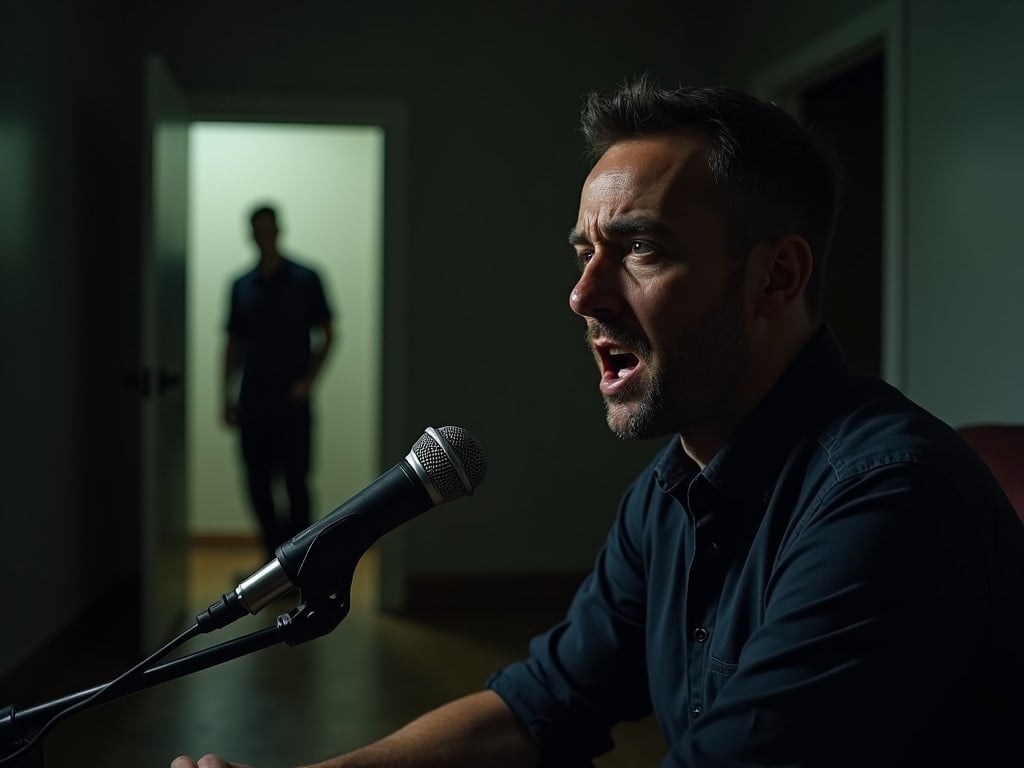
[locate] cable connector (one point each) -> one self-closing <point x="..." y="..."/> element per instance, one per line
<point x="226" y="610"/>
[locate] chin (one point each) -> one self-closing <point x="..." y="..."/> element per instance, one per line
<point x="636" y="420"/>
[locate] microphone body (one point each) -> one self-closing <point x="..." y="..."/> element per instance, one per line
<point x="442" y="466"/>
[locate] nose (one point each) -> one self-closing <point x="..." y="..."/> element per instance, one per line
<point x="597" y="293"/>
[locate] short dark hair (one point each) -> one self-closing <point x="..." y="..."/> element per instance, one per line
<point x="778" y="177"/>
<point x="263" y="210"/>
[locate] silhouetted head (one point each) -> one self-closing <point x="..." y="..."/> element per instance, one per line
<point x="264" y="228"/>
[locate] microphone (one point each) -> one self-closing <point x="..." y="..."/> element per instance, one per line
<point x="443" y="465"/>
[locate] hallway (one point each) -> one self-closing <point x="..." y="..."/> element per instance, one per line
<point x="286" y="706"/>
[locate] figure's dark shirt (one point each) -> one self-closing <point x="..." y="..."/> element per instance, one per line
<point x="270" y="318"/>
<point x="843" y="584"/>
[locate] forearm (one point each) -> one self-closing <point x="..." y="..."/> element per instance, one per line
<point x="475" y="730"/>
<point x="320" y="352"/>
<point x="230" y="383"/>
<point x="230" y="378"/>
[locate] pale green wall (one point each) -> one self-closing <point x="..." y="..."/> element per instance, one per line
<point x="327" y="184"/>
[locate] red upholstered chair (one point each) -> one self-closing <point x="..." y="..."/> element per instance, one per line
<point x="1002" y="448"/>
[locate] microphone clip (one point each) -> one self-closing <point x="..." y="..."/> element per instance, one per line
<point x="310" y="620"/>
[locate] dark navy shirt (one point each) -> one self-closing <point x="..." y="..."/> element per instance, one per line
<point x="270" y="318"/>
<point x="843" y="584"/>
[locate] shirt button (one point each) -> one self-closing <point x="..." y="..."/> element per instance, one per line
<point x="700" y="634"/>
<point x="712" y="548"/>
<point x="696" y="712"/>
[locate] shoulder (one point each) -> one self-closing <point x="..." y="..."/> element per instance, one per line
<point x="243" y="281"/>
<point x="876" y="425"/>
<point x="300" y="271"/>
<point x="244" y="277"/>
<point x="882" y="450"/>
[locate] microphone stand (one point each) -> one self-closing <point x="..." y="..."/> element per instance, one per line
<point x="302" y="623"/>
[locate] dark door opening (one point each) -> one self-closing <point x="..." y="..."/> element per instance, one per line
<point x="848" y="109"/>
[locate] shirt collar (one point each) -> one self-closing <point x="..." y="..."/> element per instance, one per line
<point x="675" y="467"/>
<point x="276" y="276"/>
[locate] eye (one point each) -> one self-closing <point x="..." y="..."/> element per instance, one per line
<point x="640" y="248"/>
<point x="583" y="258"/>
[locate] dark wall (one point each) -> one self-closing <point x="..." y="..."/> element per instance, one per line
<point x="69" y="139"/>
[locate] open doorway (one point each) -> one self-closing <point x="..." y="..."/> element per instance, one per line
<point x="327" y="183"/>
<point x="848" y="110"/>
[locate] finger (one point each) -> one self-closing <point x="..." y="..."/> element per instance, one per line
<point x="213" y="761"/>
<point x="183" y="762"/>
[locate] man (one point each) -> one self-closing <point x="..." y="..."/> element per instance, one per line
<point x="814" y="571"/>
<point x="275" y="309"/>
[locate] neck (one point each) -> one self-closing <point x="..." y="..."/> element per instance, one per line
<point x="269" y="260"/>
<point x="702" y="442"/>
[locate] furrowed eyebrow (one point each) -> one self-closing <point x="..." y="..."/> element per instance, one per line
<point x="636" y="225"/>
<point x="630" y="226"/>
<point x="577" y="238"/>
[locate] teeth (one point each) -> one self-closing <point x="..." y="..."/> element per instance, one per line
<point x="616" y="351"/>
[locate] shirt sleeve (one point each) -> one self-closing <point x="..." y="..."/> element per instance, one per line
<point x="319" y="309"/>
<point x="589" y="671"/>
<point x="234" y="323"/>
<point x="858" y="639"/>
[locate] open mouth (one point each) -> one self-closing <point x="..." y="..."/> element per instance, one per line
<point x="619" y="362"/>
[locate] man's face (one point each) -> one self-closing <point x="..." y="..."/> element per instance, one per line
<point x="664" y="304"/>
<point x="264" y="232"/>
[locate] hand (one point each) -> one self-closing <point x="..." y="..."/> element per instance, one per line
<point x="206" y="761"/>
<point x="301" y="389"/>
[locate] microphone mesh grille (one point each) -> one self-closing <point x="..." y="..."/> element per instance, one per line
<point x="440" y="468"/>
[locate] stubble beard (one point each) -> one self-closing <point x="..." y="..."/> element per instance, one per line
<point x="694" y="382"/>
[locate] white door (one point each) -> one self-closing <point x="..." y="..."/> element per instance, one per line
<point x="162" y="293"/>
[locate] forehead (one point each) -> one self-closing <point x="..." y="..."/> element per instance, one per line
<point x="664" y="176"/>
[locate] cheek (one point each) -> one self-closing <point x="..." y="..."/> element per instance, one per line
<point x="710" y="317"/>
<point x="672" y="306"/>
<point x="663" y="323"/>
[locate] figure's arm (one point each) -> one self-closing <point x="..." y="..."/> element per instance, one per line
<point x="472" y="731"/>
<point x="324" y="338"/>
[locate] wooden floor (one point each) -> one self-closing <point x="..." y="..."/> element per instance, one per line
<point x="284" y="706"/>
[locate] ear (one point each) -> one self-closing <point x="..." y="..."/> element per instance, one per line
<point x="782" y="268"/>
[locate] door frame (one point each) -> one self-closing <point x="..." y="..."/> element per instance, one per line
<point x="162" y="474"/>
<point x="395" y="285"/>
<point x="879" y="30"/>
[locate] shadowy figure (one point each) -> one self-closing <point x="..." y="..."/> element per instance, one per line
<point x="279" y="332"/>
